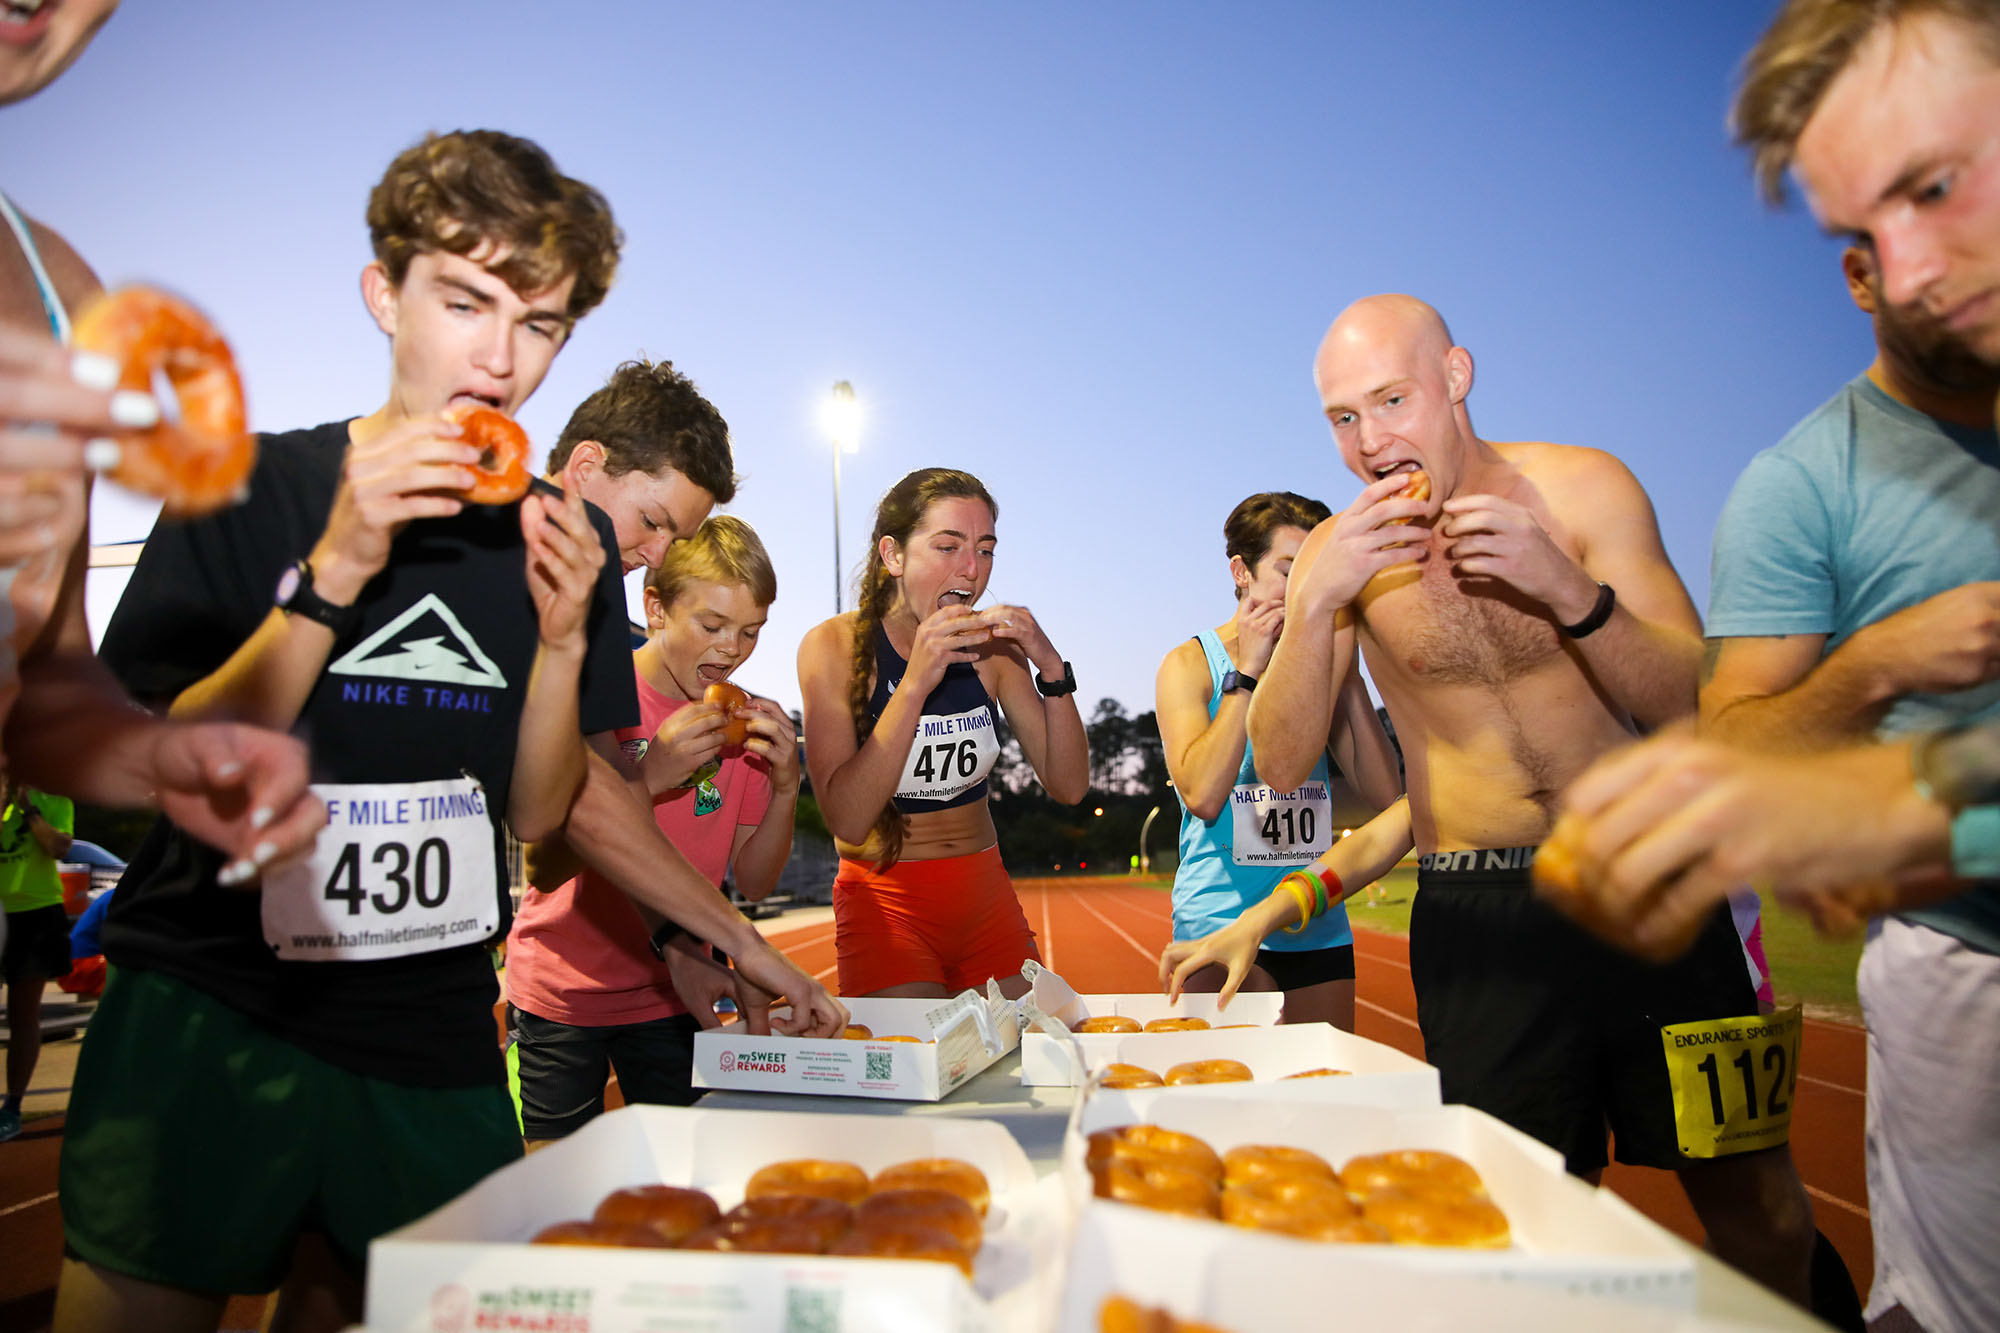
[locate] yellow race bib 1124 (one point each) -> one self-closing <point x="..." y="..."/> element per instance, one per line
<point x="1733" y="1081"/>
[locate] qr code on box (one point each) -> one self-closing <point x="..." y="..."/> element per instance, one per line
<point x="812" y="1310"/>
<point x="879" y="1065"/>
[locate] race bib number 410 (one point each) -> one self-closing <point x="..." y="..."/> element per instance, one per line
<point x="1733" y="1082"/>
<point x="1274" y="828"/>
<point x="401" y="868"/>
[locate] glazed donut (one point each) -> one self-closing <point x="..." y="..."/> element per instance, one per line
<point x="618" y="1235"/>
<point x="951" y="1174"/>
<point x="1298" y="1207"/>
<point x="1209" y="1071"/>
<point x="1178" y="1025"/>
<point x="1320" y="1073"/>
<point x="935" y="1208"/>
<point x="734" y="701"/>
<point x="1156" y="1185"/>
<point x="918" y="1040"/>
<point x="906" y="1241"/>
<point x="203" y="461"/>
<point x="841" y="1181"/>
<point x="1119" y="1314"/>
<point x="1269" y="1161"/>
<point x="1150" y="1143"/>
<point x="1109" y="1023"/>
<point x="1411" y="1171"/>
<point x="674" y="1212"/>
<point x="1469" y="1221"/>
<point x="501" y="474"/>
<point x="771" y="1236"/>
<point x="1129" y="1076"/>
<point x="858" y="1032"/>
<point x="1555" y="868"/>
<point x="827" y="1219"/>
<point x="1417" y="488"/>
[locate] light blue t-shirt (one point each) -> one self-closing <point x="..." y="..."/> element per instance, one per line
<point x="1868" y="507"/>
<point x="1212" y="887"/>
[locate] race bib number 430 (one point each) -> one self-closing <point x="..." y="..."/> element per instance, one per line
<point x="1733" y="1082"/>
<point x="401" y="868"/>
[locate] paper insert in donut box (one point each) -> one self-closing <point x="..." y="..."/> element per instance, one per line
<point x="1246" y="1280"/>
<point x="959" y="1038"/>
<point x="1564" y="1233"/>
<point x="1376" y="1074"/>
<point x="468" y="1265"/>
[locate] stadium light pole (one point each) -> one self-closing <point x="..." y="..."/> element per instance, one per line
<point x="1145" y="861"/>
<point x="843" y="422"/>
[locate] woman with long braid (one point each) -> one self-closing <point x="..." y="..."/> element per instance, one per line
<point x="900" y="737"/>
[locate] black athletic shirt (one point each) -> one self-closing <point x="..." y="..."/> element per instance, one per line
<point x="428" y="685"/>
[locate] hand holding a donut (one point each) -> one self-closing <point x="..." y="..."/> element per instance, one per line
<point x="51" y="405"/>
<point x="687" y="741"/>
<point x="417" y="468"/>
<point x="1016" y="628"/>
<point x="564" y="560"/>
<point x="947" y="635"/>
<point x="1369" y="536"/>
<point x="774" y="737"/>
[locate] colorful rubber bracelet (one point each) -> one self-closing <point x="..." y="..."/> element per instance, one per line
<point x="1335" y="892"/>
<point x="1292" y="884"/>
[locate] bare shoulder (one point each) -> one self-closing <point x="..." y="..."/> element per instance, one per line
<point x="75" y="281"/>
<point x="1585" y="486"/>
<point x="1184" y="657"/>
<point x="828" y="642"/>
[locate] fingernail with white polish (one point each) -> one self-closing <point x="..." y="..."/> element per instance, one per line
<point x="233" y="874"/>
<point x="229" y="769"/>
<point x="131" y="408"/>
<point x="101" y="455"/>
<point x="260" y="816"/>
<point x="94" y="370"/>
<point x="265" y="851"/>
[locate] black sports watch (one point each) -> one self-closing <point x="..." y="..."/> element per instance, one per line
<point x="663" y="935"/>
<point x="295" y="596"/>
<point x="1236" y="680"/>
<point x="1054" y="688"/>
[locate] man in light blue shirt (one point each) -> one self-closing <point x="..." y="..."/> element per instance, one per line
<point x="1856" y="592"/>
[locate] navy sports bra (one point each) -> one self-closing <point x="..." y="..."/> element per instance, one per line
<point x="955" y="745"/>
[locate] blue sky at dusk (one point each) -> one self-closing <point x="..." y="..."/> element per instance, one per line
<point x="1084" y="251"/>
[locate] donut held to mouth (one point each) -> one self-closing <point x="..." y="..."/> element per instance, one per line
<point x="734" y="701"/>
<point x="501" y="474"/>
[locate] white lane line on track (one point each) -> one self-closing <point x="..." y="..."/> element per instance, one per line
<point x="826" y="972"/>
<point x="25" y="1204"/>
<point x="1829" y="1083"/>
<point x="1119" y="931"/>
<point x="783" y="940"/>
<point x="1836" y="1201"/>
<point x="1386" y="1013"/>
<point x="1048" y="939"/>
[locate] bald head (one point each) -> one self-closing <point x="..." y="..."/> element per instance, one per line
<point x="1375" y="324"/>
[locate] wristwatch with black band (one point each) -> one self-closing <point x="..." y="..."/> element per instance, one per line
<point x="1053" y="688"/>
<point x="295" y="596"/>
<point x="1237" y="680"/>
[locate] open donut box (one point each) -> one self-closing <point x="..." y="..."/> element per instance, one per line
<point x="1247" y="1281"/>
<point x="1565" y="1234"/>
<point x="468" y="1266"/>
<point x="959" y="1038"/>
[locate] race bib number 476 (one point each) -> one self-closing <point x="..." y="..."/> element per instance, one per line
<point x="400" y="868"/>
<point x="1733" y="1082"/>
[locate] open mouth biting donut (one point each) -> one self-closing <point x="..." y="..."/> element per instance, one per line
<point x="201" y="462"/>
<point x="501" y="474"/>
<point x="735" y="701"/>
<point x="1418" y="487"/>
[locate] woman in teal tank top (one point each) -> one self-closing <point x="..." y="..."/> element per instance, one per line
<point x="1239" y="836"/>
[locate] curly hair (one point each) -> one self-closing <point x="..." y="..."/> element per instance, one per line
<point x="898" y="515"/>
<point x="1248" y="529"/>
<point x="649" y="416"/>
<point x="460" y="191"/>
<point x="1811" y="42"/>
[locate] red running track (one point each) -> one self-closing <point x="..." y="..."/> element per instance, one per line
<point x="1105" y="936"/>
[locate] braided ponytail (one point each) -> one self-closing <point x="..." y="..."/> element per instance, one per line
<point x="902" y="509"/>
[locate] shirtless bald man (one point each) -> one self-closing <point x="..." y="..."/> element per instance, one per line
<point x="1520" y="622"/>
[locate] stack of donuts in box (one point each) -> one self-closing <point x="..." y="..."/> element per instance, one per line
<point x="932" y="1208"/>
<point x="1408" y="1197"/>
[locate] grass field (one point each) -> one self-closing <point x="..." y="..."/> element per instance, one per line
<point x="1806" y="967"/>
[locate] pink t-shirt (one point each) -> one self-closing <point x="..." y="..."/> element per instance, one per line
<point x="579" y="955"/>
